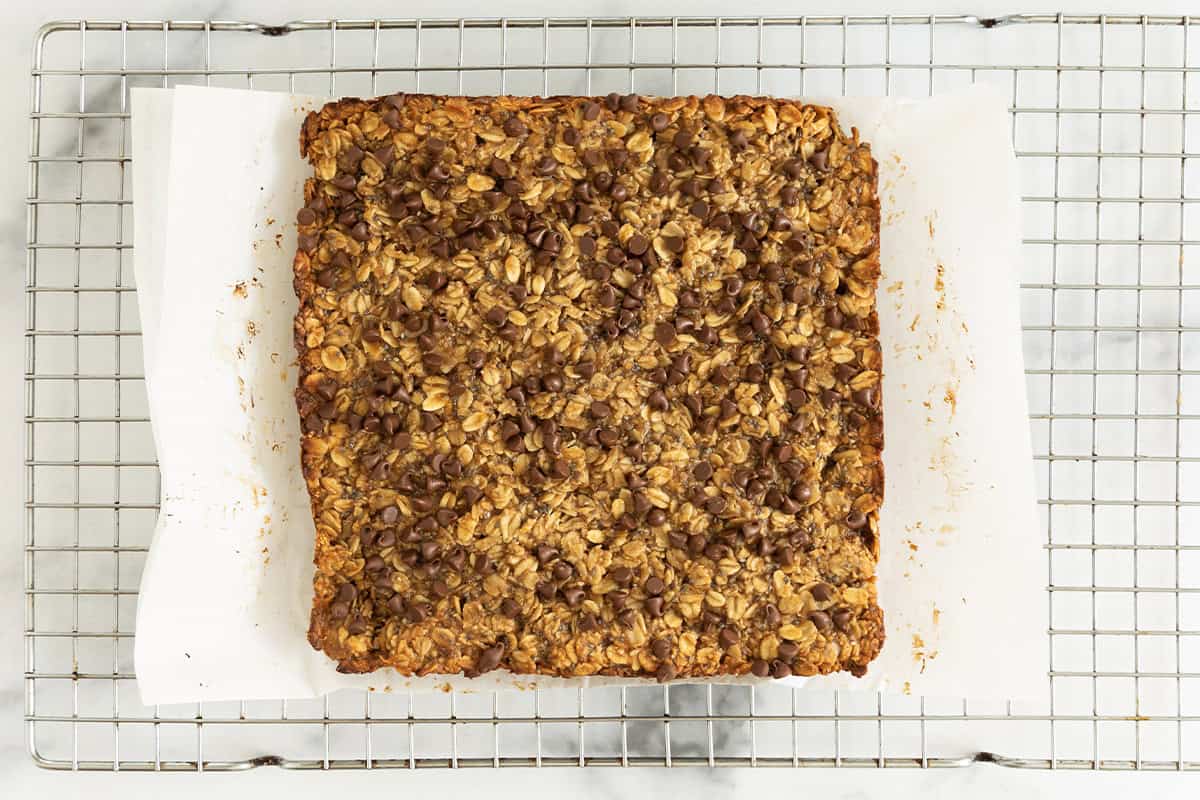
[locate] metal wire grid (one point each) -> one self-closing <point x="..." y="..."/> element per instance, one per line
<point x="1107" y="148"/>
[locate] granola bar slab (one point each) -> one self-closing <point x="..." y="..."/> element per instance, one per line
<point x="591" y="386"/>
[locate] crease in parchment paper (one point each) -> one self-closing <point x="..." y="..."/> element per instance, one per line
<point x="226" y="590"/>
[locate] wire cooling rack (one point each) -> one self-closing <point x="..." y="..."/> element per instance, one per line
<point x="1104" y="122"/>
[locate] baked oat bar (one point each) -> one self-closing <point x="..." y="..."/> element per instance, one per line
<point x="591" y="386"/>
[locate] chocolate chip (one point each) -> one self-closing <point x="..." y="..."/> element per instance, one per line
<point x="821" y="620"/>
<point x="855" y="520"/>
<point x="489" y="659"/>
<point x="561" y="469"/>
<point x="510" y="608"/>
<point x="787" y="654"/>
<point x="771" y="616"/>
<point x="728" y="637"/>
<point x="661" y="648"/>
<point x="574" y="596"/>
<point x="622" y="576"/>
<point x="591" y="111"/>
<point x="514" y="127"/>
<point x="654" y="606"/>
<point x="457" y="558"/>
<point x="702" y="471"/>
<point x="673" y="244"/>
<point x="655" y="585"/>
<point x="722" y="222"/>
<point x="664" y="333"/>
<point x="739" y="139"/>
<point x="760" y="668"/>
<point x="834" y="318"/>
<point x="866" y="397"/>
<point x="599" y="409"/>
<point x="842" y="619"/>
<point x="570" y="136"/>
<point x="656" y="517"/>
<point x="607" y="436"/>
<point x="659" y="122"/>
<point x="821" y="592"/>
<point x="819" y="159"/>
<point x="585" y="370"/>
<point x="629" y="103"/>
<point x="659" y="182"/>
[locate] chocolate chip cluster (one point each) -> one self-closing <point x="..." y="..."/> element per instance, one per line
<point x="590" y="386"/>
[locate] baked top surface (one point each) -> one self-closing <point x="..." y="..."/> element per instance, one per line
<point x="591" y="386"/>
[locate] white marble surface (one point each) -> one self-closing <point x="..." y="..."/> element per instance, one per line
<point x="18" y="778"/>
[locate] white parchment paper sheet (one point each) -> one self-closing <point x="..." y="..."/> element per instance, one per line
<point x="226" y="590"/>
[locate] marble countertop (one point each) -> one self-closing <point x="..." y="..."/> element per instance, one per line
<point x="18" y="776"/>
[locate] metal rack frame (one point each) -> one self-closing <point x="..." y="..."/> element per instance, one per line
<point x="1111" y="308"/>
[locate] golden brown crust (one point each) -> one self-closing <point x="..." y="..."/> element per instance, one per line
<point x="652" y="453"/>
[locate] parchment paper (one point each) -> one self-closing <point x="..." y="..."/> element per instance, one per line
<point x="226" y="590"/>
